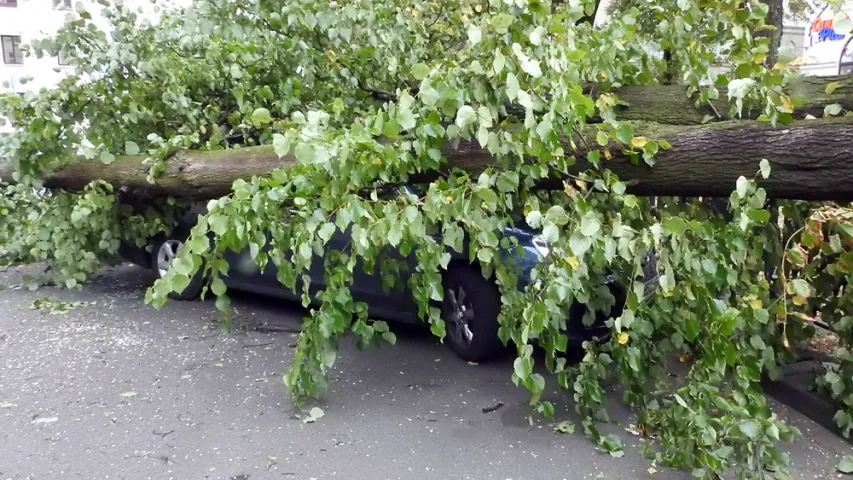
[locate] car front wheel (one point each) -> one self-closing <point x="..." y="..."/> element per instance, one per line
<point x="470" y="309"/>
<point x="164" y="252"/>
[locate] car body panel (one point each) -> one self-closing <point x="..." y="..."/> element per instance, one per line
<point x="393" y="304"/>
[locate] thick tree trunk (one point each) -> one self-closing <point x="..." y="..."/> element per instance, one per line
<point x="669" y="104"/>
<point x="188" y="174"/>
<point x="809" y="159"/>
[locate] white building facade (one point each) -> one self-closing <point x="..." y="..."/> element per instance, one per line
<point x="22" y="21"/>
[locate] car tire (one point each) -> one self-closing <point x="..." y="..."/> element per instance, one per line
<point x="162" y="254"/>
<point x="470" y="309"/>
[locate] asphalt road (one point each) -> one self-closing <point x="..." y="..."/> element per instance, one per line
<point x="118" y="390"/>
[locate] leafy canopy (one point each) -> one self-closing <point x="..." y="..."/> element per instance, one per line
<point x="357" y="94"/>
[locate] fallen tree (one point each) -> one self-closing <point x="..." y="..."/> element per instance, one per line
<point x="328" y="82"/>
<point x="703" y="161"/>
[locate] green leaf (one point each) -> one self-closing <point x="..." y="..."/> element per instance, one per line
<point x="182" y="266"/>
<point x="576" y="55"/>
<point x="304" y="153"/>
<point x="534" y="219"/>
<point x="499" y="62"/>
<point x="759" y="216"/>
<point x="742" y="186"/>
<point x="390" y="337"/>
<point x="830" y="87"/>
<point x="764" y="165"/>
<point x="675" y="225"/>
<point x="406" y="119"/>
<point x="565" y="427"/>
<point x="107" y="158"/>
<point x="749" y="428"/>
<point x="326" y="231"/>
<point x="507" y="181"/>
<point x="218" y="224"/>
<point x="590" y="226"/>
<point x="831" y="110"/>
<point x="261" y="115"/>
<point x="489" y="196"/>
<point x="846" y="464"/>
<point x="501" y="22"/>
<point x="551" y="233"/>
<point x="131" y="148"/>
<point x="280" y="144"/>
<point x="579" y="243"/>
<point x="800" y="288"/>
<point x="625" y="133"/>
<point x="217" y="286"/>
<point x="723" y="452"/>
<point x="557" y="215"/>
<point x="420" y="71"/>
<point x="314" y="414"/>
<point x="691" y="329"/>
<point x="465" y="116"/>
<point x="518" y="367"/>
<point x="512" y="86"/>
<point x="391" y="128"/>
<point x="475" y="34"/>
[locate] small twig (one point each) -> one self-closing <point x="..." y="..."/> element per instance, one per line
<point x="437" y="17"/>
<point x="274" y="329"/>
<point x="710" y="104"/>
<point x="784" y="278"/>
<point x="379" y="94"/>
<point x="162" y="434"/>
<point x="493" y="407"/>
<point x="253" y="345"/>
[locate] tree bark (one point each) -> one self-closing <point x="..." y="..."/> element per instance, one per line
<point x="774" y="18"/>
<point x="809" y="160"/>
<point x="669" y="104"/>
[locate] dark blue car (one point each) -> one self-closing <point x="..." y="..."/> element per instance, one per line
<point x="471" y="302"/>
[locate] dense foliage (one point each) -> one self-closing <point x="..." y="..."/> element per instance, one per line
<point x="364" y="94"/>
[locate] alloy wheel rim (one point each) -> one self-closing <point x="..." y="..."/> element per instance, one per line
<point x="461" y="316"/>
<point x="166" y="254"/>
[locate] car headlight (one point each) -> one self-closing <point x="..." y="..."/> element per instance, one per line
<point x="542" y="246"/>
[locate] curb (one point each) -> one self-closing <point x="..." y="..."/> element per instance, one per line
<point x="793" y="389"/>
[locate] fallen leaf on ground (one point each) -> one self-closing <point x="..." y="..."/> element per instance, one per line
<point x="565" y="427"/>
<point x="314" y="414"/>
<point x="634" y="430"/>
<point x="55" y="306"/>
<point x="128" y="394"/>
<point x="846" y="464"/>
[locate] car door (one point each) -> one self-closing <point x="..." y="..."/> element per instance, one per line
<point x="369" y="286"/>
<point x="244" y="274"/>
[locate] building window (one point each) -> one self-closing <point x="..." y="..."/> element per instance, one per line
<point x="62" y="4"/>
<point x="8" y="3"/>
<point x="12" y="54"/>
